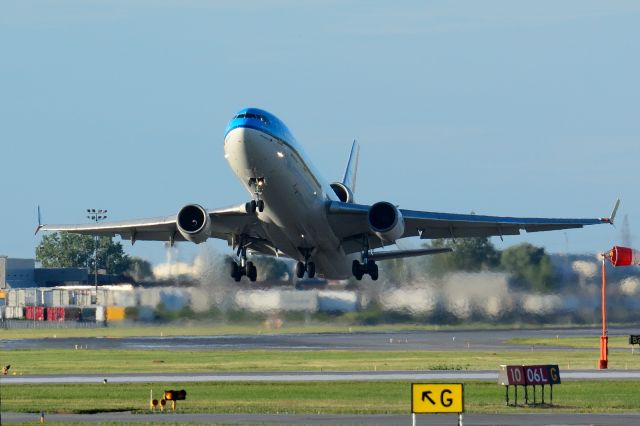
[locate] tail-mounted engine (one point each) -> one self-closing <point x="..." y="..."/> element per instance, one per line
<point x="343" y="192"/>
<point x="194" y="223"/>
<point x="386" y="221"/>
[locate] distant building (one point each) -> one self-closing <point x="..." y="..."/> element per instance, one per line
<point x="17" y="273"/>
<point x="22" y="273"/>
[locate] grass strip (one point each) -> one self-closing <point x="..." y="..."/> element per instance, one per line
<point x="198" y="328"/>
<point x="88" y="361"/>
<point x="615" y="342"/>
<point x="319" y="398"/>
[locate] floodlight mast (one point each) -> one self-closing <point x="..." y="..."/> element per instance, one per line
<point x="96" y="215"/>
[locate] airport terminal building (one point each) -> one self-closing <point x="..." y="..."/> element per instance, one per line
<point x="22" y="273"/>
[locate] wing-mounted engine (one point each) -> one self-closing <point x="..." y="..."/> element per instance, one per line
<point x="386" y="221"/>
<point x="343" y="192"/>
<point x="194" y="223"/>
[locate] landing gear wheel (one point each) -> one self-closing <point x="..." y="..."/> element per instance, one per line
<point x="236" y="272"/>
<point x="311" y="269"/>
<point x="252" y="206"/>
<point x="373" y="270"/>
<point x="234" y="269"/>
<point x="356" y="269"/>
<point x="252" y="271"/>
<point x="300" y="269"/>
<point x="260" y="205"/>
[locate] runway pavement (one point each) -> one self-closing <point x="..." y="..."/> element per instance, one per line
<point x="302" y="377"/>
<point x="330" y="419"/>
<point x="478" y="340"/>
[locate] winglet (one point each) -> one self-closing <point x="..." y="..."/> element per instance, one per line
<point x="351" y="170"/>
<point x="40" y="225"/>
<point x="612" y="217"/>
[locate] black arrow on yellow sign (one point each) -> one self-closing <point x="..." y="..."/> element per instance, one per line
<point x="425" y="395"/>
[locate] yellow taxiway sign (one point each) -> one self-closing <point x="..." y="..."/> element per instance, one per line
<point x="437" y="398"/>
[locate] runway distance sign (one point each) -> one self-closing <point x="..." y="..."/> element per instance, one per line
<point x="542" y="374"/>
<point x="529" y="375"/>
<point x="511" y="375"/>
<point x="437" y="398"/>
<point x="634" y="339"/>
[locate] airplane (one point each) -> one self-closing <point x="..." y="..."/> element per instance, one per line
<point x="294" y="212"/>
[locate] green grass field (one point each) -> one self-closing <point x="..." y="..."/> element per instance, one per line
<point x="71" y="361"/>
<point x="615" y="342"/>
<point x="217" y="329"/>
<point x="323" y="397"/>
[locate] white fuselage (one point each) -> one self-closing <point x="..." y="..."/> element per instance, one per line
<point x="295" y="198"/>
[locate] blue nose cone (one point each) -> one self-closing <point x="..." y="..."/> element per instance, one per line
<point x="259" y="119"/>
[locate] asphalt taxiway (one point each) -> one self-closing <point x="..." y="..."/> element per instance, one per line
<point x="444" y="340"/>
<point x="331" y="419"/>
<point x="290" y="377"/>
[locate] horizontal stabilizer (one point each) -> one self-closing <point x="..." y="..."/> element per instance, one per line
<point x="397" y="254"/>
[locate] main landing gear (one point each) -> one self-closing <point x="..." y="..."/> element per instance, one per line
<point x="244" y="268"/>
<point x="368" y="266"/>
<point x="360" y="269"/>
<point x="307" y="266"/>
<point x="258" y="186"/>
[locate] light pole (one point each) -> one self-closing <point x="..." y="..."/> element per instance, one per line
<point x="96" y="215"/>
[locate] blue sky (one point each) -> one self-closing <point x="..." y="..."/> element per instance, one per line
<point x="506" y="108"/>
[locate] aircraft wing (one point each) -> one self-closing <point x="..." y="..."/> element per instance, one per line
<point x="225" y="223"/>
<point x="350" y="223"/>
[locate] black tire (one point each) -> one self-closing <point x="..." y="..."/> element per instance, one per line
<point x="252" y="206"/>
<point x="234" y="269"/>
<point x="252" y="272"/>
<point x="260" y="205"/>
<point x="300" y="270"/>
<point x="311" y="269"/>
<point x="355" y="268"/>
<point x="373" y="271"/>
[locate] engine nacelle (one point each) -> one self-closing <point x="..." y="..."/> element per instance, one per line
<point x="386" y="221"/>
<point x="343" y="192"/>
<point x="194" y="223"/>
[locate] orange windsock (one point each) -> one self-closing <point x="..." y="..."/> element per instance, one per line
<point x="623" y="256"/>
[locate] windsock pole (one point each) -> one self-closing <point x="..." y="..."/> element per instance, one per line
<point x="604" y="339"/>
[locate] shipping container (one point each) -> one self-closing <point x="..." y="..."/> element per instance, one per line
<point x="115" y="313"/>
<point x="99" y="314"/>
<point x="88" y="314"/>
<point x="19" y="297"/>
<point x="41" y="313"/>
<point x="61" y="297"/>
<point x="47" y="297"/>
<point x="55" y="314"/>
<point x="83" y="297"/>
<point x="14" y="312"/>
<point x="12" y="298"/>
<point x="28" y="295"/>
<point x="72" y="314"/>
<point x="30" y="312"/>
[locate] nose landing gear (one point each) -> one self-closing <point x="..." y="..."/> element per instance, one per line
<point x="258" y="186"/>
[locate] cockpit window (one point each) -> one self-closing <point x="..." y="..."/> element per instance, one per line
<point x="260" y="117"/>
<point x="263" y="119"/>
